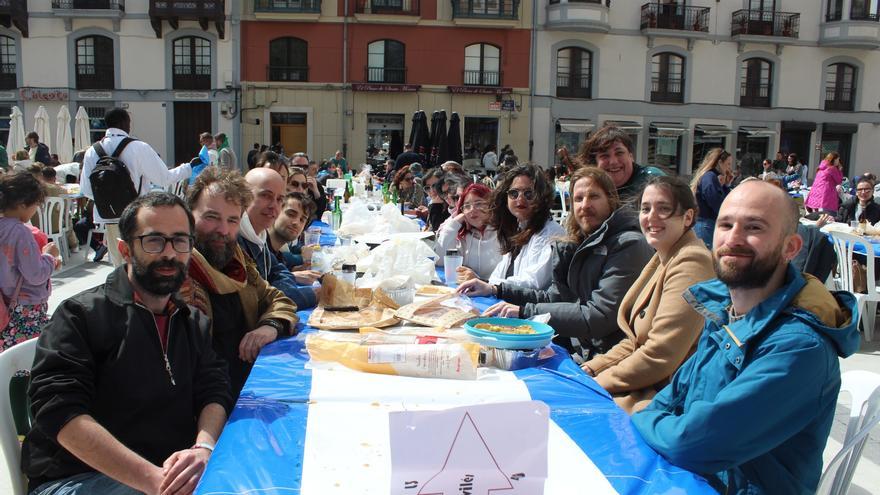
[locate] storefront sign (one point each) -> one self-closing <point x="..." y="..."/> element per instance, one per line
<point x="495" y="106"/>
<point x="44" y="94"/>
<point x="192" y="95"/>
<point x="478" y="90"/>
<point x="386" y="88"/>
<point x="95" y="95"/>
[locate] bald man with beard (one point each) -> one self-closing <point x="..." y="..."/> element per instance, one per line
<point x="269" y="189"/>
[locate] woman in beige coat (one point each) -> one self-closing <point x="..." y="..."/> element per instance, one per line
<point x="661" y="329"/>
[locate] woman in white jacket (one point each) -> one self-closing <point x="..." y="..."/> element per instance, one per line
<point x="521" y="218"/>
<point x="469" y="232"/>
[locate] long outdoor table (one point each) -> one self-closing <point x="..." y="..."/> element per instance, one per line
<point x="277" y="442"/>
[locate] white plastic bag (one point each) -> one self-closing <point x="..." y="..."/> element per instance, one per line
<point x="401" y="256"/>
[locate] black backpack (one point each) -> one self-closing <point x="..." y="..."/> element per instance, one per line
<point x="111" y="182"/>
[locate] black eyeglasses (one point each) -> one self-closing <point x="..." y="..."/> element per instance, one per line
<point x="529" y="194"/>
<point x="155" y="243"/>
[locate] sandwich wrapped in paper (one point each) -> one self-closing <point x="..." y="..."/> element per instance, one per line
<point x="342" y="307"/>
<point x="445" y="311"/>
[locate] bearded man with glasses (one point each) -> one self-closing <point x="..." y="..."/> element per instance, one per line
<point x="127" y="393"/>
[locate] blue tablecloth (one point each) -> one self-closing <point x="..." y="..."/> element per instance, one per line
<point x="860" y="248"/>
<point x="261" y="448"/>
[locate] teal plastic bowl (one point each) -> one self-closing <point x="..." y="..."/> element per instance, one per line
<point x="542" y="337"/>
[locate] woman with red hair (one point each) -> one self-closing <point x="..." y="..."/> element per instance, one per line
<point x="469" y="232"/>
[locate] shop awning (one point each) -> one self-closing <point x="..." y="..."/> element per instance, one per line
<point x="668" y="129"/>
<point x="757" y="131"/>
<point x="578" y="126"/>
<point x="713" y="129"/>
<point x="834" y="128"/>
<point x="625" y="125"/>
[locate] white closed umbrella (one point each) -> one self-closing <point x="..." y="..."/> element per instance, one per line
<point x="64" y="149"/>
<point x="81" y="135"/>
<point x="15" y="142"/>
<point x="41" y="127"/>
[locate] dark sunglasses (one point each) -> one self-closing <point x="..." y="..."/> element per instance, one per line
<point x="297" y="184"/>
<point x="529" y="194"/>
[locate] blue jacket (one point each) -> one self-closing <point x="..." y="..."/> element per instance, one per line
<point x="278" y="276"/>
<point x="710" y="194"/>
<point x="752" y="408"/>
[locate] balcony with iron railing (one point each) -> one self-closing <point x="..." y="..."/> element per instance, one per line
<point x="95" y="76"/>
<point x="861" y="30"/>
<point x="485" y="9"/>
<point x="481" y="77"/>
<point x="190" y="77"/>
<point x="754" y="95"/>
<point x="174" y="11"/>
<point x="765" y="23"/>
<point x="287" y="6"/>
<point x="91" y="9"/>
<point x="386" y="75"/>
<point x="14" y="13"/>
<point x="675" y="17"/>
<point x="388" y="7"/>
<point x="578" y="15"/>
<point x="573" y="85"/>
<point x="7" y="76"/>
<point x="287" y="73"/>
<point x="840" y="99"/>
<point x="667" y="91"/>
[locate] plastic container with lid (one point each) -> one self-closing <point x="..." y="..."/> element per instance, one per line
<point x="451" y="262"/>
<point x="349" y="273"/>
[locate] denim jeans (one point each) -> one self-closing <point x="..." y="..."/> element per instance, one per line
<point x="705" y="229"/>
<point x="83" y="484"/>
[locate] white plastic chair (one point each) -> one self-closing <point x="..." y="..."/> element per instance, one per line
<point x="55" y="222"/>
<point x="844" y="243"/>
<point x="178" y="188"/>
<point x="561" y="189"/>
<point x="864" y="388"/>
<point x="17" y="358"/>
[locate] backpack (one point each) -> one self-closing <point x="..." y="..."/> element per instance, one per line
<point x="111" y="182"/>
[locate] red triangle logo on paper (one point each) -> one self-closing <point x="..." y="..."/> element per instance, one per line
<point x="470" y="466"/>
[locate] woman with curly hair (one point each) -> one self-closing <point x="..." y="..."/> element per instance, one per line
<point x="521" y="217"/>
<point x="25" y="269"/>
<point x="592" y="268"/>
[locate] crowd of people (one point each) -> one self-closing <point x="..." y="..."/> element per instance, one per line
<point x="687" y="302"/>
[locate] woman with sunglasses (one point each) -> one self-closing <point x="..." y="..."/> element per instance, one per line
<point x="600" y="258"/>
<point x="469" y="232"/>
<point x="521" y="217"/>
<point x="660" y="327"/>
<point x="436" y="211"/>
<point x="408" y="192"/>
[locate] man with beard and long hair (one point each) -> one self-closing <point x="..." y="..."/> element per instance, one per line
<point x="752" y="408"/>
<point x="127" y="393"/>
<point x="246" y="312"/>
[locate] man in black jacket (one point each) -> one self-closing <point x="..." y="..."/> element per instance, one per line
<point x="126" y="391"/>
<point x="38" y="151"/>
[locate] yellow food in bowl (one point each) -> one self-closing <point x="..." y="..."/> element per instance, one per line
<point x="516" y="330"/>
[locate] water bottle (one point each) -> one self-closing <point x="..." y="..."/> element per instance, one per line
<point x="451" y="262"/>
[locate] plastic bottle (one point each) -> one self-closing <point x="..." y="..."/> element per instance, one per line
<point x="451" y="262"/>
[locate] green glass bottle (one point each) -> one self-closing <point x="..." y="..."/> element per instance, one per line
<point x="336" y="218"/>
